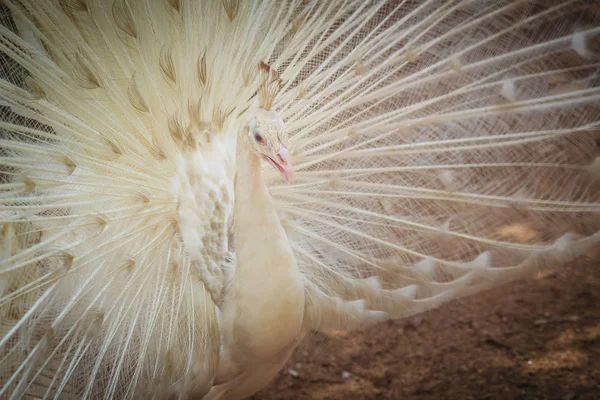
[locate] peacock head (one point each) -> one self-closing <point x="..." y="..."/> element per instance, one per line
<point x="268" y="139"/>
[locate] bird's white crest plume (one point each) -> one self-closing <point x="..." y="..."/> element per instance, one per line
<point x="269" y="86"/>
<point x="440" y="147"/>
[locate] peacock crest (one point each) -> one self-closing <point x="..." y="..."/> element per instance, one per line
<point x="270" y="84"/>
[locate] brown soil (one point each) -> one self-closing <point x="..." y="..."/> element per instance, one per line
<point x="535" y="339"/>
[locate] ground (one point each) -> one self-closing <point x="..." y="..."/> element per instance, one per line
<point x="534" y="339"/>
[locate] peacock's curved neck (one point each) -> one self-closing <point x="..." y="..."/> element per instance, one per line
<point x="255" y="215"/>
<point x="264" y="304"/>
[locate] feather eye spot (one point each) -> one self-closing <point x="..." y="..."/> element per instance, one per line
<point x="360" y="68"/>
<point x="128" y="264"/>
<point x="29" y="184"/>
<point x="231" y="8"/>
<point x="67" y="260"/>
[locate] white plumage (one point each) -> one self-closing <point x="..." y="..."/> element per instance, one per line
<point x="439" y="148"/>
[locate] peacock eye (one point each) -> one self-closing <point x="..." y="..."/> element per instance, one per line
<point x="258" y="138"/>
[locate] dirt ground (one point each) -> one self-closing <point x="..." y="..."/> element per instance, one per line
<point x="535" y="339"/>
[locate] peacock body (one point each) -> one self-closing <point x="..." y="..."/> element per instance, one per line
<point x="439" y="148"/>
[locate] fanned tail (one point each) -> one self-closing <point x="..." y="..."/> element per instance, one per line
<point x="441" y="148"/>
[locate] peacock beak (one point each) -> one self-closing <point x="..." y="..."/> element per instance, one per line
<point x="283" y="156"/>
<point x="283" y="163"/>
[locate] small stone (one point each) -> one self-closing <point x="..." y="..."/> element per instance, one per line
<point x="529" y="362"/>
<point x="346" y="375"/>
<point x="293" y="373"/>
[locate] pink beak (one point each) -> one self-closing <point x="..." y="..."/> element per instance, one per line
<point x="283" y="164"/>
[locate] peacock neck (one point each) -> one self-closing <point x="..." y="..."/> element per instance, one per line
<point x="253" y="202"/>
<point x="264" y="306"/>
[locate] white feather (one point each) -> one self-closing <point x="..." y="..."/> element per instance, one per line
<point x="441" y="148"/>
